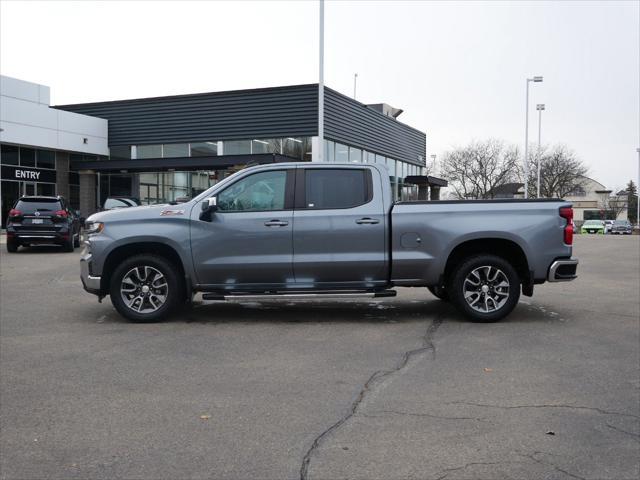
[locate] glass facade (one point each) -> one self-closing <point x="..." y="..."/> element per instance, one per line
<point x="41" y="162"/>
<point x="298" y="148"/>
<point x="398" y="170"/>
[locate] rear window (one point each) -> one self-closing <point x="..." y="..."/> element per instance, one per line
<point x="32" y="205"/>
<point x="335" y="188"/>
<point x="120" y="203"/>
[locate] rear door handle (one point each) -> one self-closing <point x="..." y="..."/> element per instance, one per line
<point x="367" y="221"/>
<point x="276" y="223"/>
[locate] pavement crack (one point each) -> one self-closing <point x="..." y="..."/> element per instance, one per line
<point x="551" y="405"/>
<point x="374" y="380"/>
<point x="635" y="436"/>
<point x="382" y="413"/>
<point x="532" y="456"/>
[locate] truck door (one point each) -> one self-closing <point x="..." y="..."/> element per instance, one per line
<point x="247" y="243"/>
<point x="339" y="229"/>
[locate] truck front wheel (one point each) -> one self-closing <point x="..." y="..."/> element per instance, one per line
<point x="145" y="288"/>
<point x="439" y="292"/>
<point x="486" y="288"/>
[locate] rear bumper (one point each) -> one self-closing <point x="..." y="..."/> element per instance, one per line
<point x="25" y="235"/>
<point x="90" y="283"/>
<point x="563" y="270"/>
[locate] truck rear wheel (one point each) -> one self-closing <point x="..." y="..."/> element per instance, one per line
<point x="145" y="288"/>
<point x="485" y="288"/>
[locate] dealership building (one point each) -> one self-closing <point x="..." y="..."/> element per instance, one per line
<point x="165" y="148"/>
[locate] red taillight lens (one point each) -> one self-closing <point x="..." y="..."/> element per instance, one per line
<point x="61" y="213"/>
<point x="15" y="213"/>
<point x="567" y="214"/>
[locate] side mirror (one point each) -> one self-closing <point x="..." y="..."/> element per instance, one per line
<point x="208" y="206"/>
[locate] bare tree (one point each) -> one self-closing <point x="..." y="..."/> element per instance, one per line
<point x="476" y="170"/>
<point x="561" y="172"/>
<point x="613" y="205"/>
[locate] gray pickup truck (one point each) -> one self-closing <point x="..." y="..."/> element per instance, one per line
<point x="317" y="229"/>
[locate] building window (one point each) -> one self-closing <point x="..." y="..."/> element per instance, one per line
<point x="355" y="155"/>
<point x="237" y="147"/>
<point x="329" y="151"/>
<point x="260" y="146"/>
<point x="120" y="152"/>
<point x="175" y="150"/>
<point x="149" y="151"/>
<point x="204" y="149"/>
<point x="9" y="155"/>
<point x="46" y="159"/>
<point x="27" y="157"/>
<point x="342" y="153"/>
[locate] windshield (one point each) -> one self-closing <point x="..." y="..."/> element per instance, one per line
<point x="621" y="222"/>
<point x="32" y="205"/>
<point x="594" y="223"/>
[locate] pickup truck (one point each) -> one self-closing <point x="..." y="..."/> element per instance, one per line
<point x="320" y="229"/>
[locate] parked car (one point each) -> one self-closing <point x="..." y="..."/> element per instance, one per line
<point x="308" y="229"/>
<point x="112" y="203"/>
<point x="622" y="227"/>
<point x="42" y="220"/>
<point x="607" y="226"/>
<point x="593" y="226"/>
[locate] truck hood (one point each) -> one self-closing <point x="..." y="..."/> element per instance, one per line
<point x="142" y="212"/>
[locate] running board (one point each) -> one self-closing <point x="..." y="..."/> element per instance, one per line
<point x="302" y="295"/>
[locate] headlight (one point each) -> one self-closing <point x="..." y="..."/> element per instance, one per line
<point x="93" y="228"/>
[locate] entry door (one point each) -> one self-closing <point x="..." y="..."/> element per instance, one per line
<point x="339" y="229"/>
<point x="247" y="243"/>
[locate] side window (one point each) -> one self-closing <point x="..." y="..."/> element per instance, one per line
<point x="258" y="192"/>
<point x="336" y="188"/>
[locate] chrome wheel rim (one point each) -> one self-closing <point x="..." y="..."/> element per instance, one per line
<point x="486" y="289"/>
<point x="144" y="289"/>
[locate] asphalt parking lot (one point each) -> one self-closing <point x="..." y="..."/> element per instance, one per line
<point x="389" y="388"/>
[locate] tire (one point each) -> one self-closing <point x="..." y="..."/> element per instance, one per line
<point x="68" y="245"/>
<point x="493" y="299"/>
<point x="439" y="292"/>
<point x="12" y="247"/>
<point x="129" y="280"/>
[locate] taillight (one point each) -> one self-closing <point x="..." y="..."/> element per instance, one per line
<point x="567" y="214"/>
<point x="61" y="213"/>
<point x="15" y="213"/>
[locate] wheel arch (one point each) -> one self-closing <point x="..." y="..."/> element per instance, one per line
<point x="118" y="254"/>
<point x="510" y="250"/>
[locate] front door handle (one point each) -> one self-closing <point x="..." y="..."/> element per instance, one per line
<point x="367" y="221"/>
<point x="276" y="223"/>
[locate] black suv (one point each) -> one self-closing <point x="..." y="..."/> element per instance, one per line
<point x="38" y="220"/>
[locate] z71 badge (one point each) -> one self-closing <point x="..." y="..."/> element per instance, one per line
<point x="171" y="213"/>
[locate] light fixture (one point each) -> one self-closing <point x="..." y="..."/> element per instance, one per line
<point x="261" y="141"/>
<point x="294" y="139"/>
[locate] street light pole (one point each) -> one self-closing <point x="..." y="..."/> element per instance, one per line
<point x="355" y="81"/>
<point x="321" y="86"/>
<point x="526" y="138"/>
<point x="638" y="192"/>
<point x="540" y="108"/>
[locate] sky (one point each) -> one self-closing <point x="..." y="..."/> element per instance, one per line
<point x="457" y="69"/>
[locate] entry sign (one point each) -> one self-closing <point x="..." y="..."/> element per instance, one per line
<point x="25" y="174"/>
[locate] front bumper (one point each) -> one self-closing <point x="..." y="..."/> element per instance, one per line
<point x="90" y="283"/>
<point x="563" y="270"/>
